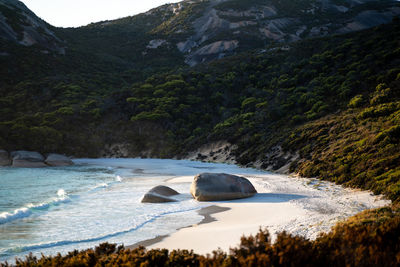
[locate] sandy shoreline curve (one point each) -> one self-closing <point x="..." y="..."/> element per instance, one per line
<point x="296" y="205"/>
<point x="241" y="217"/>
<point x="206" y="212"/>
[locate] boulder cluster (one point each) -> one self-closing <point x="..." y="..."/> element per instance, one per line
<point x="206" y="187"/>
<point x="32" y="159"/>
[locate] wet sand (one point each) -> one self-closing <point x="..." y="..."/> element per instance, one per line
<point x="206" y="212"/>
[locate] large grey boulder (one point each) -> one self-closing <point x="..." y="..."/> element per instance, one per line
<point x="220" y="186"/>
<point x="159" y="194"/>
<point x="58" y="160"/>
<point x="27" y="159"/>
<point x="4" y="158"/>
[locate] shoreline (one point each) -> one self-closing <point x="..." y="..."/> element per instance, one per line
<point x="241" y="217"/>
<point x="297" y="206"/>
<point x="206" y="212"/>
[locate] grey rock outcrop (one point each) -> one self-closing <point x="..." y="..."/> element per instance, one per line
<point x="20" y="25"/>
<point x="220" y="186"/>
<point x="58" y="160"/>
<point x="212" y="51"/>
<point x="27" y="159"/>
<point x="154" y="44"/>
<point x="4" y="158"/>
<point x="263" y="22"/>
<point x="159" y="194"/>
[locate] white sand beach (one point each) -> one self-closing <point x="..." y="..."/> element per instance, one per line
<point x="296" y="205"/>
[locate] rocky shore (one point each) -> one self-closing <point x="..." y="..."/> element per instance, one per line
<point x="32" y="159"/>
<point x="206" y="187"/>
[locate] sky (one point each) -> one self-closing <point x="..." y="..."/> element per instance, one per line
<point x="74" y="13"/>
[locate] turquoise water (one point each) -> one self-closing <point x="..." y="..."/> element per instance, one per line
<point x="24" y="192"/>
<point x="50" y="210"/>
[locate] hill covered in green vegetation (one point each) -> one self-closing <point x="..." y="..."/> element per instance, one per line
<point x="328" y="106"/>
<point x="199" y="31"/>
<point x="332" y="104"/>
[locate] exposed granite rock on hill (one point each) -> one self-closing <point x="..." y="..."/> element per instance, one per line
<point x="250" y="24"/>
<point x="20" y="25"/>
<point x="195" y="31"/>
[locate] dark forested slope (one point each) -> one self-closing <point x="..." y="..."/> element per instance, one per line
<point x="331" y="104"/>
<point x="328" y="106"/>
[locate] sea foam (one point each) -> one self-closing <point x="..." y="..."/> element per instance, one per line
<point x="99" y="238"/>
<point x="30" y="208"/>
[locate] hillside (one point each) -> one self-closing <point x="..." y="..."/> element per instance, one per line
<point x="331" y="110"/>
<point x="20" y="25"/>
<point x="324" y="103"/>
<point x="200" y="31"/>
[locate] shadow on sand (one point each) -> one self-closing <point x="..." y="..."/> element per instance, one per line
<point x="266" y="198"/>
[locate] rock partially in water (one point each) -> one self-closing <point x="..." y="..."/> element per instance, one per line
<point x="163" y="190"/>
<point x="27" y="159"/>
<point x="4" y="158"/>
<point x="58" y="160"/>
<point x="156" y="198"/>
<point x="220" y="186"/>
<point x="160" y="194"/>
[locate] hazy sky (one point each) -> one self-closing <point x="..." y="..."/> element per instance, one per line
<point x="73" y="13"/>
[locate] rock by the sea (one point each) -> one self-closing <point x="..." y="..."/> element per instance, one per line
<point x="220" y="186"/>
<point x="163" y="190"/>
<point x="27" y="159"/>
<point x="159" y="194"/>
<point x="4" y="158"/>
<point x="58" y="160"/>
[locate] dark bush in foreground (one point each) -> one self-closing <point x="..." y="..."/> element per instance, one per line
<point x="371" y="238"/>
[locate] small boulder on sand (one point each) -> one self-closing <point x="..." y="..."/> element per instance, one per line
<point x="58" y="160"/>
<point x="159" y="194"/>
<point x="163" y="190"/>
<point x="27" y="159"/>
<point x="4" y="158"/>
<point x="220" y="186"/>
